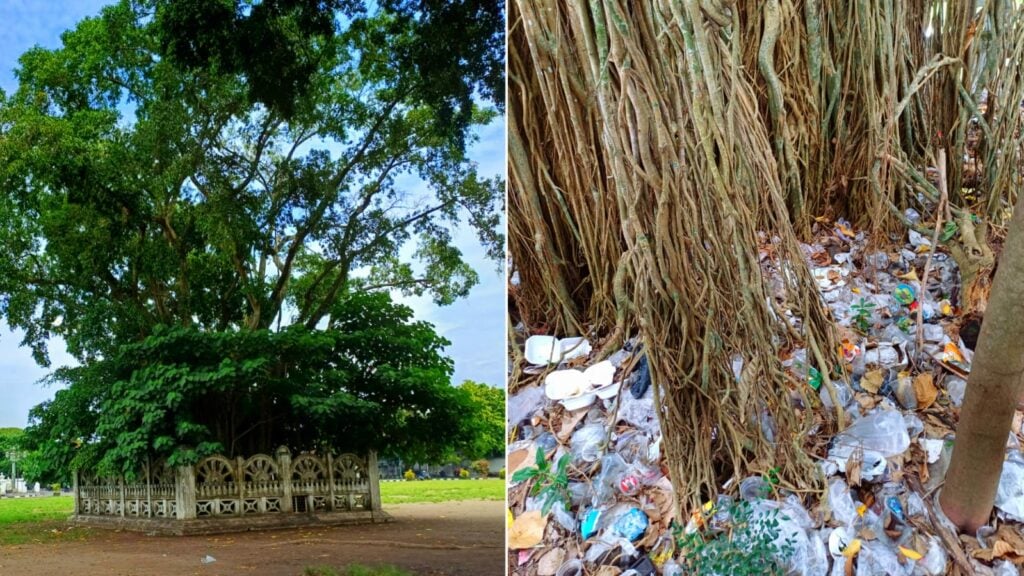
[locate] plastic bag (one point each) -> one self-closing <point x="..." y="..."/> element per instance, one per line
<point x="1004" y="568"/>
<point x="883" y="431"/>
<point x="876" y="557"/>
<point x="613" y="467"/>
<point x="956" y="388"/>
<point x="934" y="561"/>
<point x="586" y="442"/>
<point x="1010" y="493"/>
<point x="844" y="509"/>
<point x="524" y="404"/>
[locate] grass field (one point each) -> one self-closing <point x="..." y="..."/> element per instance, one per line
<point x="403" y="492"/>
<point x="41" y="519"/>
<point x="43" y="508"/>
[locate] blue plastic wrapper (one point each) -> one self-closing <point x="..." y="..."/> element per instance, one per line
<point x="632" y="524"/>
<point x="589" y="525"/>
<point x="893" y="503"/>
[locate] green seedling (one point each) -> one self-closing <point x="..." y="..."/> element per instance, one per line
<point x="747" y="546"/>
<point x="550" y="486"/>
<point x="862" y="314"/>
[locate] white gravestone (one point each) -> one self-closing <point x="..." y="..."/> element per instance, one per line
<point x="19" y="486"/>
<point x="35" y="487"/>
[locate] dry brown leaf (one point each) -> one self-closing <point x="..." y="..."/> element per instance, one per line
<point x="1012" y="536"/>
<point x="522" y="458"/>
<point x="550" y="562"/>
<point x="527" y="531"/>
<point x="866" y="533"/>
<point x="569" y="422"/>
<point x="872" y="381"/>
<point x="607" y="570"/>
<point x="853" y="468"/>
<point x="925" y="390"/>
<point x="665" y="504"/>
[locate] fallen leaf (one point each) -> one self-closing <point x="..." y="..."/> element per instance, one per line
<point x="550" y="562"/>
<point x="527" y="531"/>
<point x="852" y="548"/>
<point x="569" y="422"/>
<point x="912" y="275"/>
<point x="522" y="458"/>
<point x="867" y="534"/>
<point x="1000" y="549"/>
<point x="608" y="570"/>
<point x="909" y="553"/>
<point x="853" y="468"/>
<point x="1003" y="549"/>
<point x="925" y="390"/>
<point x="872" y="381"/>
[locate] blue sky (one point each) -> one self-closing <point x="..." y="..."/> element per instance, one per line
<point x="474" y="325"/>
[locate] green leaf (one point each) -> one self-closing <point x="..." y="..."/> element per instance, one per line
<point x="524" y="474"/>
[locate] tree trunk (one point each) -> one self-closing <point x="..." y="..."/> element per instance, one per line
<point x="992" y="393"/>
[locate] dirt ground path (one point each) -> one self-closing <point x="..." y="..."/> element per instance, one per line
<point x="443" y="539"/>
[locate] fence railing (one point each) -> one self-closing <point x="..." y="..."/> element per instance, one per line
<point x="219" y="487"/>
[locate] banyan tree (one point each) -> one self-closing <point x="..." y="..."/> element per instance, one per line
<point x="658" y="150"/>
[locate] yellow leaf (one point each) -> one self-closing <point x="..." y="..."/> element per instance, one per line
<point x="912" y="275"/>
<point x="861" y="510"/>
<point x="852" y="548"/>
<point x="925" y="390"/>
<point x="912" y="554"/>
<point x="872" y="381"/>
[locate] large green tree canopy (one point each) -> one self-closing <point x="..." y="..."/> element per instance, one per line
<point x="146" y="200"/>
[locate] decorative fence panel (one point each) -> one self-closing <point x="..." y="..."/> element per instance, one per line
<point x="219" y="487"/>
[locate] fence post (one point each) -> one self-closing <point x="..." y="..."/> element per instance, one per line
<point x="149" y="487"/>
<point x="240" y="479"/>
<point x="331" y="479"/>
<point x="185" y="492"/>
<point x="122" y="495"/>
<point x="284" y="461"/>
<point x="374" y="474"/>
<point x="74" y="490"/>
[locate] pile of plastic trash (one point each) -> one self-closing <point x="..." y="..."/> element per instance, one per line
<point x="907" y="368"/>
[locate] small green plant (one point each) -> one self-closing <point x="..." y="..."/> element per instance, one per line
<point x="55" y="487"/>
<point x="409" y="475"/>
<point x="747" y="546"/>
<point x="862" y="314"/>
<point x="355" y="570"/>
<point x="501" y="473"/>
<point x="463" y="473"/>
<point x="549" y="486"/>
<point x="482" y="467"/>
